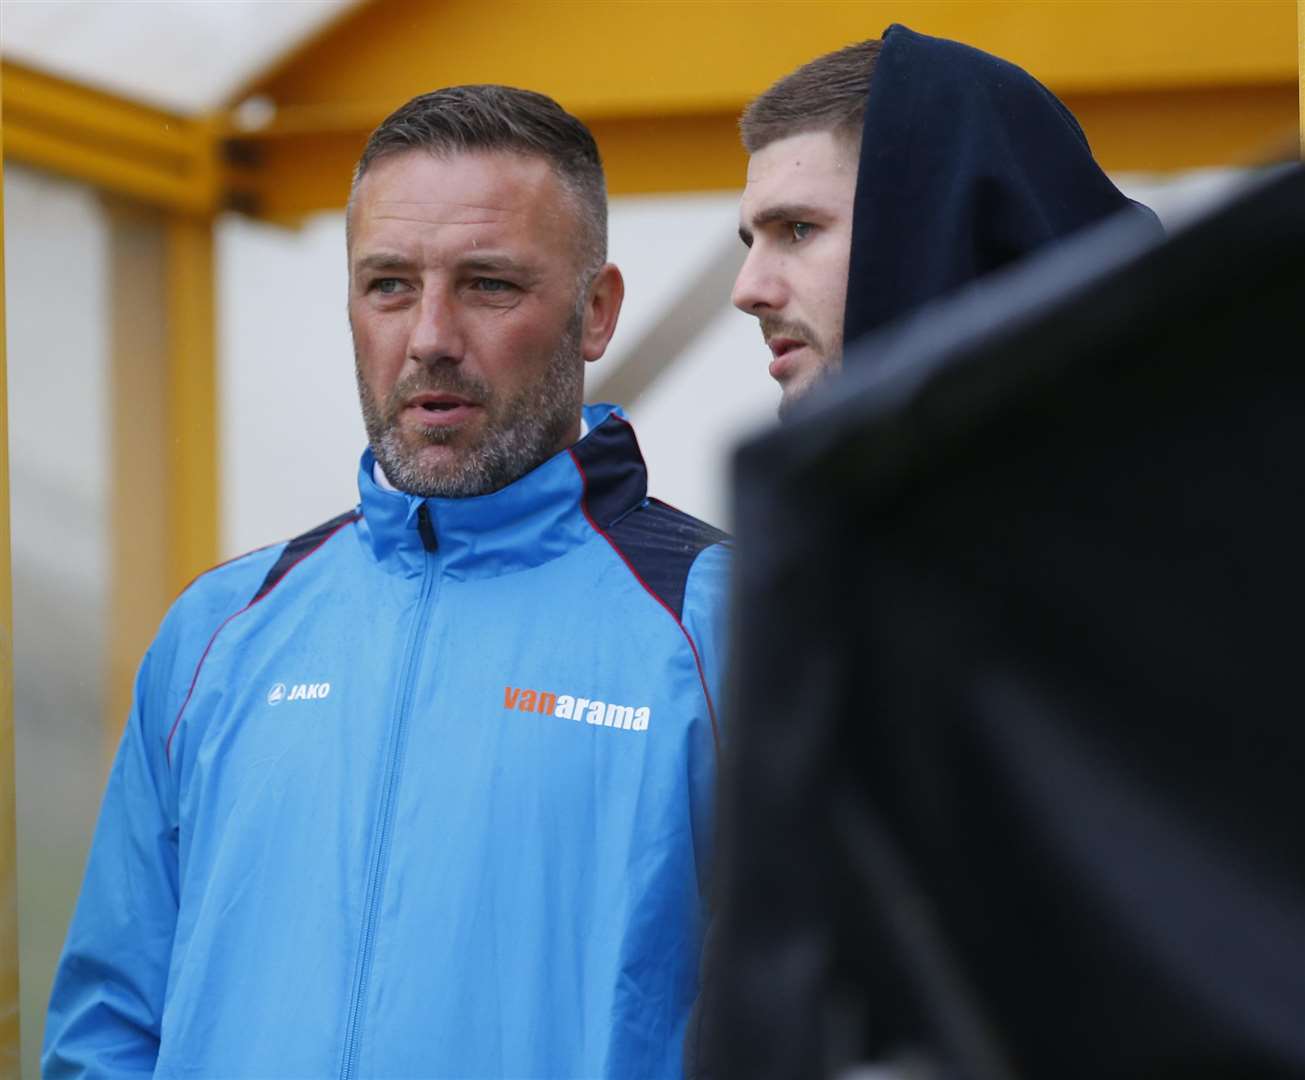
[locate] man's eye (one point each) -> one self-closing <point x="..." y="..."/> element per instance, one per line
<point x="388" y="285"/>
<point x="801" y="229"/>
<point x="492" y="285"/>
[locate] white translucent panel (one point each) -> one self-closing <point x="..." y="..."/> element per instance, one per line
<point x="56" y="243"/>
<point x="187" y="55"/>
<point x="289" y="427"/>
<point x="660" y="242"/>
<point x="691" y="416"/>
<point x="691" y="419"/>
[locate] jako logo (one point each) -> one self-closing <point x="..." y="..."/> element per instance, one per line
<point x="298" y="692"/>
<point x="598" y="713"/>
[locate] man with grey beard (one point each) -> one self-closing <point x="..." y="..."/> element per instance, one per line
<point x="427" y="790"/>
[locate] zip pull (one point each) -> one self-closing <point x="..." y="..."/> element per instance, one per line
<point x="426" y="529"/>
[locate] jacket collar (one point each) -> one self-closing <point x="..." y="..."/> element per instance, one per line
<point x="546" y="513"/>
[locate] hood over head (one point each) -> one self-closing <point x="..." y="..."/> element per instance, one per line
<point x="967" y="163"/>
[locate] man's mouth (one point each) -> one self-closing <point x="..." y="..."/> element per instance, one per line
<point x="779" y="346"/>
<point x="785" y="361"/>
<point x="440" y="408"/>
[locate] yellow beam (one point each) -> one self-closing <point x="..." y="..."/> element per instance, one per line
<point x="191" y="451"/>
<point x="119" y="146"/>
<point x="1139" y="131"/>
<point x="1158" y="86"/>
<point x="1300" y="71"/>
<point x="1161" y="84"/>
<point x="650" y="58"/>
<point x="641" y="156"/>
<point x="8" y="840"/>
<point x="1186" y="129"/>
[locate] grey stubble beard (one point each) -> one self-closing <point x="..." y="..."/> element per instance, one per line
<point x="522" y="431"/>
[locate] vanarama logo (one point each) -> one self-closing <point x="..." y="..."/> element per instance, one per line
<point x="567" y="707"/>
<point x="298" y="692"/>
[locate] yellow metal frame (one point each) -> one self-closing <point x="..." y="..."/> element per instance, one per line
<point x="9" y="1041"/>
<point x="168" y="163"/>
<point x="193" y="488"/>
<point x="1188" y="84"/>
<point x="141" y="579"/>
<point x="166" y="167"/>
<point x="1159" y="84"/>
<point x="651" y="58"/>
<point x="143" y="153"/>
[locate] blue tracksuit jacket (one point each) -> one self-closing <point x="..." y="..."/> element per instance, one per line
<point x="424" y="793"/>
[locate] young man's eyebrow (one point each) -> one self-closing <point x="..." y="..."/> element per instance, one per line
<point x="785" y="212"/>
<point x="780" y="212"/>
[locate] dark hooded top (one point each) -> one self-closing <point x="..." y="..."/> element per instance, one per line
<point x="967" y="164"/>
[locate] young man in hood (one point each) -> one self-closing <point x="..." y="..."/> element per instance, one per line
<point x="889" y="173"/>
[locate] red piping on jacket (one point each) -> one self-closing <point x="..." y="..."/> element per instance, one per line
<point x="167" y="746"/>
<point x="702" y="678"/>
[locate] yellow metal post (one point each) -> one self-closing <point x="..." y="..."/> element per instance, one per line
<point x="8" y="860"/>
<point x="163" y="516"/>
<point x="140" y="539"/>
<point x="1300" y="69"/>
<point x="192" y="399"/>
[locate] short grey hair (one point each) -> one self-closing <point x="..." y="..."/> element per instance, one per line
<point x="488" y="117"/>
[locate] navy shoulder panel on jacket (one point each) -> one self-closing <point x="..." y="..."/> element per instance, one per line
<point x="661" y="544"/>
<point x="215" y="598"/>
<point x="300" y="548"/>
<point x="657" y="542"/>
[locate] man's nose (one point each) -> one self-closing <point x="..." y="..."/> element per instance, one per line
<point x="436" y="334"/>
<point x="758" y="288"/>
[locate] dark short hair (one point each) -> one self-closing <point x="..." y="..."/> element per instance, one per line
<point x="825" y="94"/>
<point x="488" y="117"/>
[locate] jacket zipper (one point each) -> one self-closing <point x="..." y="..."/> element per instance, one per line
<point x="389" y="792"/>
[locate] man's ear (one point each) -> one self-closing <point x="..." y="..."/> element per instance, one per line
<point x="602" y="307"/>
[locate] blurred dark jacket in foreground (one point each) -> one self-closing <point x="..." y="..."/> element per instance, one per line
<point x="1018" y="721"/>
